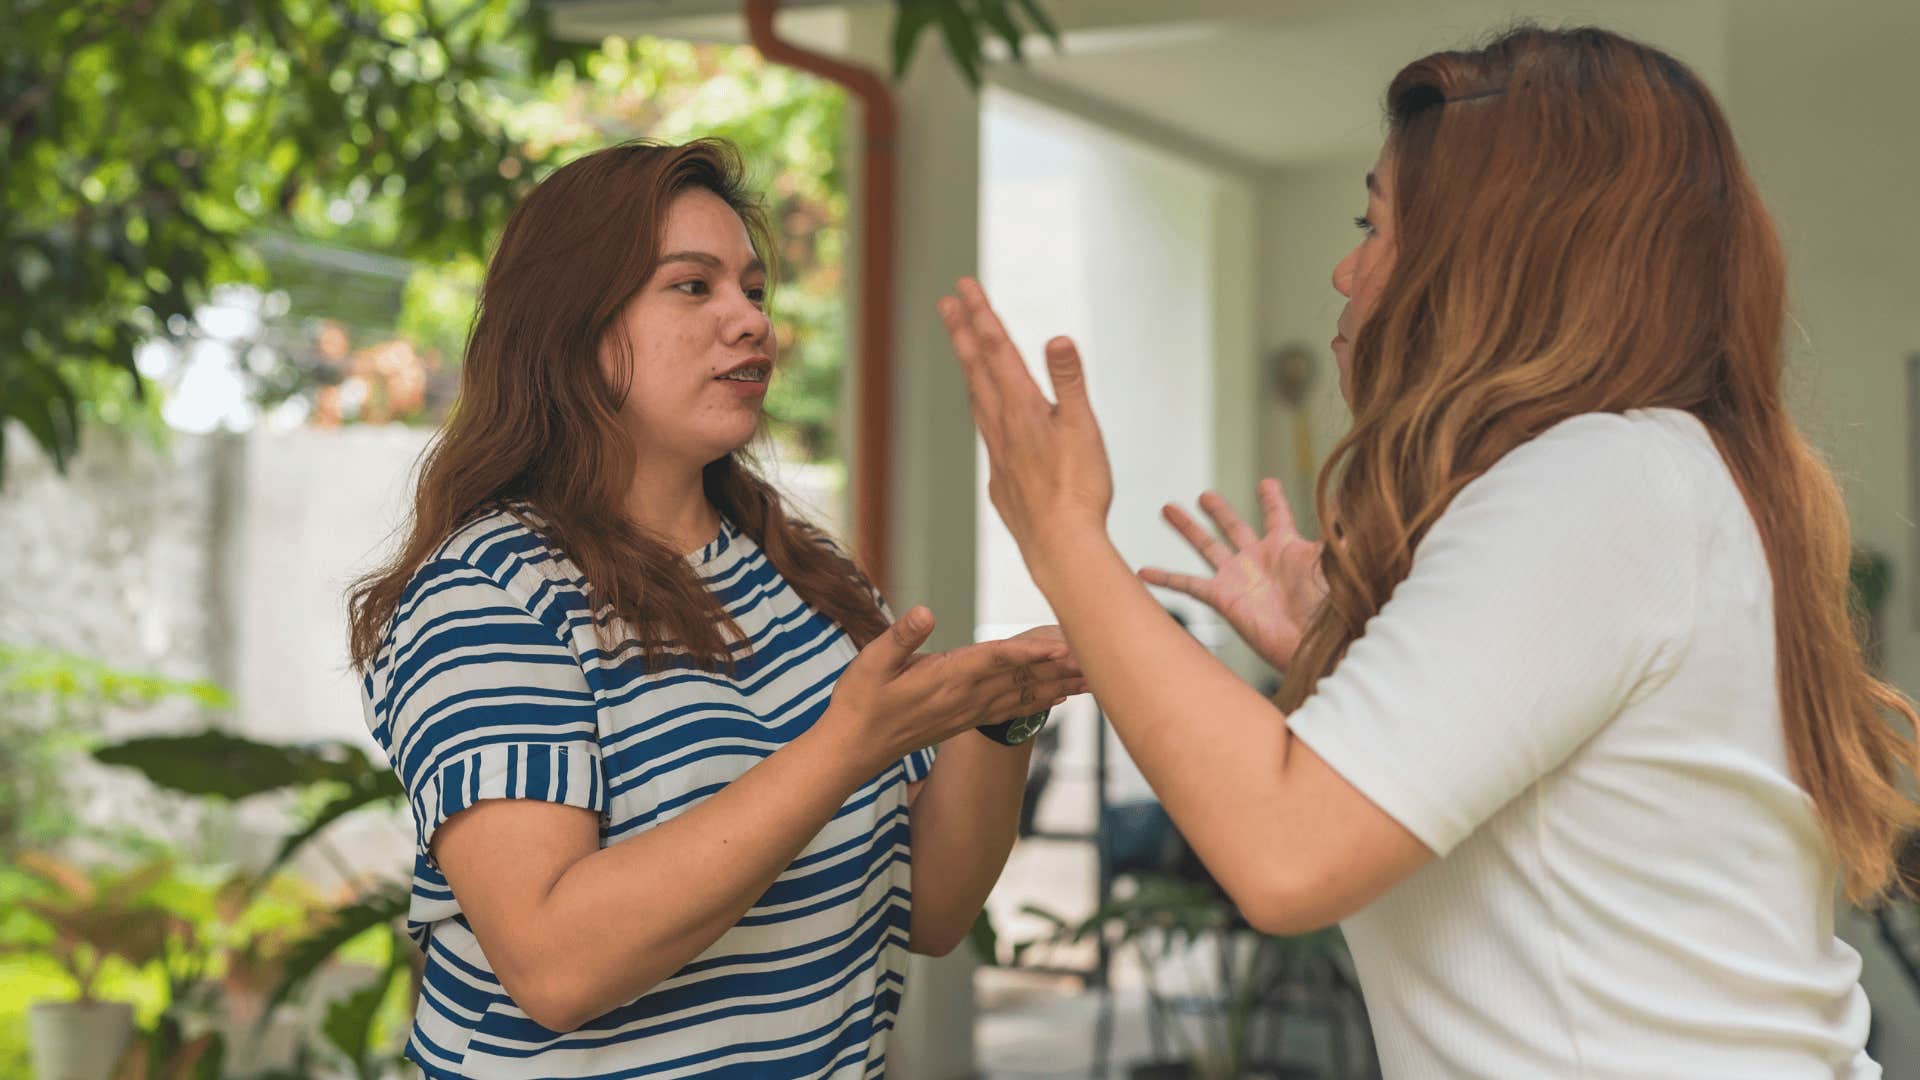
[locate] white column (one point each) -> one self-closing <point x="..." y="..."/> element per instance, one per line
<point x="936" y="240"/>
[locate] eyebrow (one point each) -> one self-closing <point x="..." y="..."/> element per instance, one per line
<point x="1373" y="185"/>
<point x="711" y="262"/>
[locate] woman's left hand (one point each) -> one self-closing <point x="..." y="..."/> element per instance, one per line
<point x="1048" y="472"/>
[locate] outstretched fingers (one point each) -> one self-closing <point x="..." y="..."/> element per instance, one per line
<point x="1274" y="508"/>
<point x="1197" y="587"/>
<point x="1232" y="526"/>
<point x="1209" y="546"/>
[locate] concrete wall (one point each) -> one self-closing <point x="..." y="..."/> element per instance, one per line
<point x="115" y="563"/>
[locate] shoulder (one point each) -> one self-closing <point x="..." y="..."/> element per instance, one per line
<point x="1599" y="497"/>
<point x="497" y="564"/>
<point x="1636" y="469"/>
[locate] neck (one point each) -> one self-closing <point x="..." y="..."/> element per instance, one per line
<point x="671" y="504"/>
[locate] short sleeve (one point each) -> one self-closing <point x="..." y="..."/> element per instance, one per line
<point x="481" y="700"/>
<point x="919" y="765"/>
<point x="1554" y="588"/>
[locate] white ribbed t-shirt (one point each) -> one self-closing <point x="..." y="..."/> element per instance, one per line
<point x="1571" y="701"/>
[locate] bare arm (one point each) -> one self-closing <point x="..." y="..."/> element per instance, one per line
<point x="1293" y="842"/>
<point x="964" y="826"/>
<point x="574" y="930"/>
<point x="556" y="913"/>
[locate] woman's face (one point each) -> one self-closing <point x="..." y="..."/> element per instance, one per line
<point x="1360" y="276"/>
<point x="702" y="345"/>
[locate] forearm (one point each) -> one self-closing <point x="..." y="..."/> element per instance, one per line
<point x="1213" y="748"/>
<point x="631" y="914"/>
<point x="964" y="824"/>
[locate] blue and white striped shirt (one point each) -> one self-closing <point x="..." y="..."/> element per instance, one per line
<point x="492" y="684"/>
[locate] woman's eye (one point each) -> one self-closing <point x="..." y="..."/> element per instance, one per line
<point x="1363" y="224"/>
<point x="696" y="287"/>
<point x="757" y="294"/>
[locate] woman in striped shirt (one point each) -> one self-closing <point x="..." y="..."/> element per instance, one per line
<point x="664" y="751"/>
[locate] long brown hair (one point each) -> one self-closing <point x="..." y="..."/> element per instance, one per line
<point x="537" y="424"/>
<point x="1577" y="233"/>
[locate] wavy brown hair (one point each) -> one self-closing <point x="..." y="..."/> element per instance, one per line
<point x="1577" y="234"/>
<point x="537" y="423"/>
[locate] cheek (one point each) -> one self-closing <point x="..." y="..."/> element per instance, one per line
<point x="1370" y="278"/>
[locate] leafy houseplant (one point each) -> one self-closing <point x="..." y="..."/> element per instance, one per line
<point x="267" y="972"/>
<point x="1221" y="1021"/>
<point x="84" y="922"/>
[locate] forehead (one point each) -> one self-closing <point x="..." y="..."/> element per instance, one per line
<point x="1379" y="177"/>
<point x="699" y="220"/>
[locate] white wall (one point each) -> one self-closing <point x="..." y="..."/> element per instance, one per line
<point x="937" y="241"/>
<point x="1085" y="234"/>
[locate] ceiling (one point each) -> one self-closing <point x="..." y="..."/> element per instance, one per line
<point x="1261" y="84"/>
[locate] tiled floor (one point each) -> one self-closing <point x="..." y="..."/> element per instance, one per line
<point x="1032" y="1028"/>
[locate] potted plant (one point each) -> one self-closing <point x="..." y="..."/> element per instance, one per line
<point x="1219" y="993"/>
<point x="82" y="922"/>
<point x="263" y="972"/>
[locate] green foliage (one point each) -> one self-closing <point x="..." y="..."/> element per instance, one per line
<point x="230" y="767"/>
<point x="51" y="705"/>
<point x="213" y="764"/>
<point x="351" y="1022"/>
<point x="964" y="27"/>
<point x="1168" y="921"/>
<point x="158" y="149"/>
<point x="80" y="679"/>
<point x="88" y="919"/>
<point x="1869" y="580"/>
<point x="379" y="907"/>
<point x="145" y="140"/>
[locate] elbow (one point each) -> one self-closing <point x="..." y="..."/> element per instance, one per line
<point x="933" y="944"/>
<point x="555" y="994"/>
<point x="548" y="1001"/>
<point x="1281" y="908"/>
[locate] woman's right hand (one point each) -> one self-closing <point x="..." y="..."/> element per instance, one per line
<point x="891" y="701"/>
<point x="1266" y="587"/>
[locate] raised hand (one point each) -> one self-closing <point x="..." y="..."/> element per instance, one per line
<point x="1048" y="474"/>
<point x="892" y="701"/>
<point x="1267" y="587"/>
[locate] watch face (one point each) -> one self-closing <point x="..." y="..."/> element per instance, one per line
<point x="1026" y="727"/>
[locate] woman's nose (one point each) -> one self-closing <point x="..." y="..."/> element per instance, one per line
<point x="1343" y="274"/>
<point x="747" y="321"/>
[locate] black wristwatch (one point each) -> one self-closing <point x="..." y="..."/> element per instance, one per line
<point x="1017" y="730"/>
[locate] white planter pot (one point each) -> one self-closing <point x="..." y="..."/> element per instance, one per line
<point x="78" y="1040"/>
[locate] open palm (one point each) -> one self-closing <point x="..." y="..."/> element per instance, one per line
<point x="1266" y="587"/>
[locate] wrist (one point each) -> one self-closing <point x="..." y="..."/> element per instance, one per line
<point x="1053" y="554"/>
<point x="840" y="748"/>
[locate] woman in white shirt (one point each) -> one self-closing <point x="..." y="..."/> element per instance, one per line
<point x="1575" y="735"/>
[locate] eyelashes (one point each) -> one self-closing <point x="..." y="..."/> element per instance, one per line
<point x="698" y="287"/>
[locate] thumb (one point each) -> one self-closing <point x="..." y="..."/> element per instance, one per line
<point x="891" y="650"/>
<point x="1069" y="378"/>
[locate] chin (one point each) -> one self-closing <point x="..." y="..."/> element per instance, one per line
<point x="733" y="443"/>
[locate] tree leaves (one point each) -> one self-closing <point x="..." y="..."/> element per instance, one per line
<point x="963" y="26"/>
<point x="143" y="142"/>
